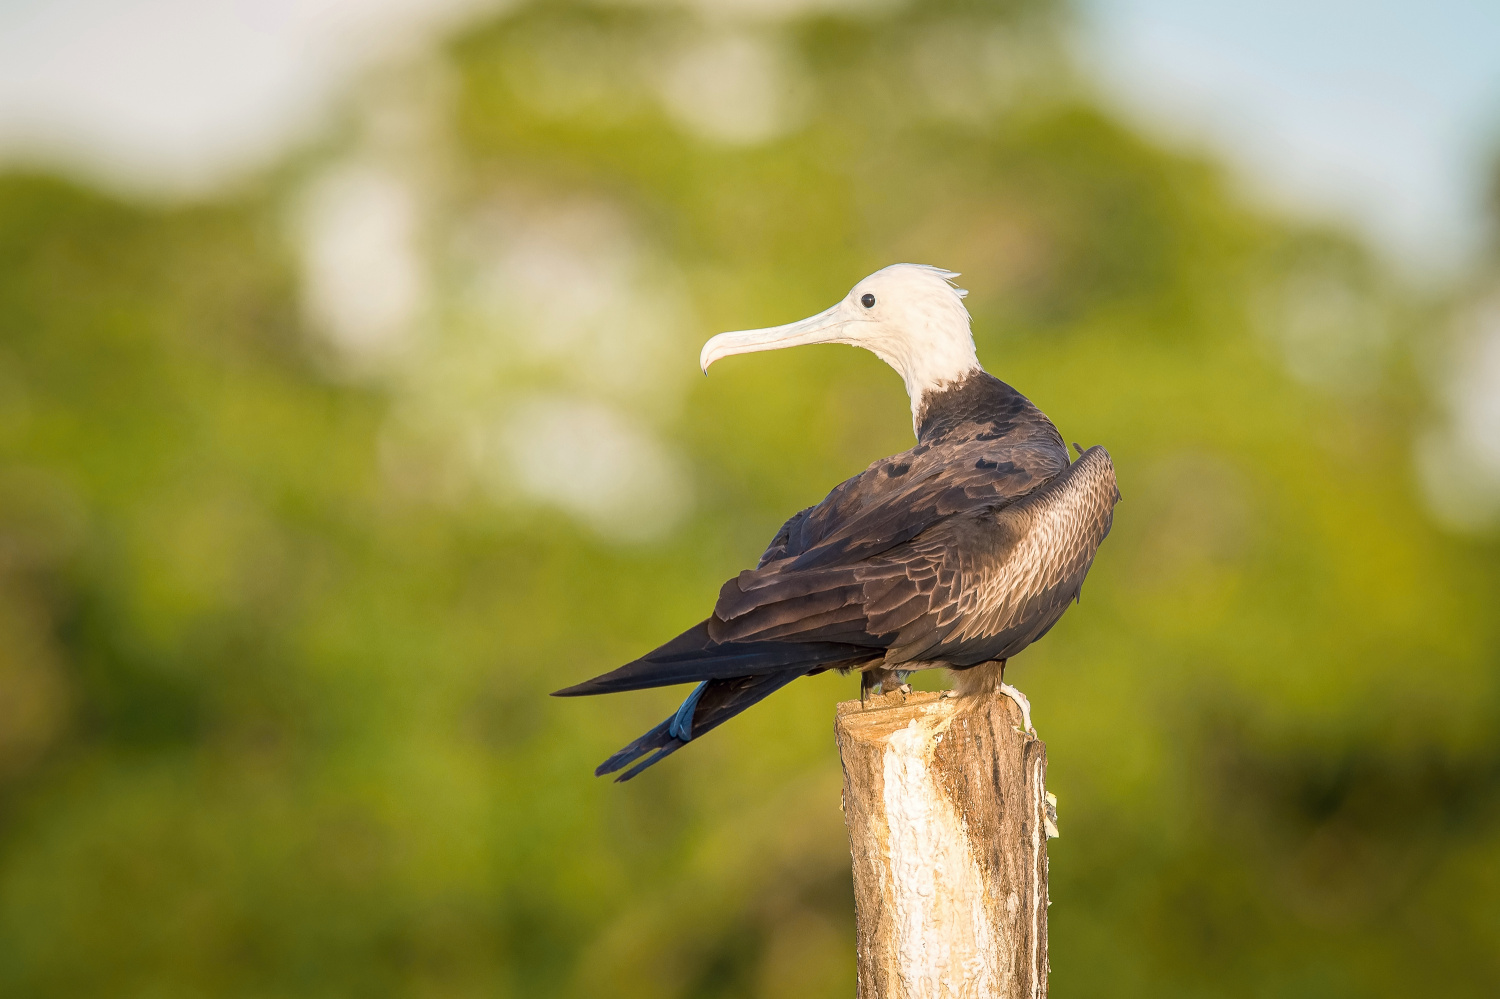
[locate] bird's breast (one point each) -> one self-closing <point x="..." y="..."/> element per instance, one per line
<point x="1034" y="553"/>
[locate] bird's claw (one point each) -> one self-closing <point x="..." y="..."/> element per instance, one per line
<point x="1025" y="728"/>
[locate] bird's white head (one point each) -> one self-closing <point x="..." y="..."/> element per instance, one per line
<point x="911" y="316"/>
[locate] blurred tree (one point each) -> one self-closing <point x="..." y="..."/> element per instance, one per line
<point x="283" y="585"/>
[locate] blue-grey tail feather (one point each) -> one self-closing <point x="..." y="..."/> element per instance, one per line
<point x="681" y="726"/>
<point x="659" y="741"/>
<point x="711" y="704"/>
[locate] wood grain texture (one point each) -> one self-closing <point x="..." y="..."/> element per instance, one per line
<point x="946" y="808"/>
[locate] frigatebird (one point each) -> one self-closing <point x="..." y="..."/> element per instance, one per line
<point x="957" y="553"/>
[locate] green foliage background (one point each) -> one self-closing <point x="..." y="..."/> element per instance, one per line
<point x="272" y="704"/>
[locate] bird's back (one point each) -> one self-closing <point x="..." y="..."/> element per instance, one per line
<point x="979" y="443"/>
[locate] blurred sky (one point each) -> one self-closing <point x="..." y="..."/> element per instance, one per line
<point x="181" y="96"/>
<point x="1378" y="111"/>
<point x="1384" y="113"/>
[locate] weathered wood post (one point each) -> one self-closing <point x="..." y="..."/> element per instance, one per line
<point x="948" y="820"/>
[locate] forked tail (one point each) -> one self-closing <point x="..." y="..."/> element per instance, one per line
<point x="731" y="676"/>
<point x="711" y="704"/>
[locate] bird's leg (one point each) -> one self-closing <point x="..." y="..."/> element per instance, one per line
<point x="874" y="681"/>
<point x="901" y="675"/>
<point x="1021" y="702"/>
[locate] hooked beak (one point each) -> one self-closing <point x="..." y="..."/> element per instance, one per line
<point x="826" y="327"/>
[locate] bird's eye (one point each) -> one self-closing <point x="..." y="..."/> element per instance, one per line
<point x="867" y="300"/>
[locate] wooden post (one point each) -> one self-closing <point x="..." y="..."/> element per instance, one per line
<point x="948" y="820"/>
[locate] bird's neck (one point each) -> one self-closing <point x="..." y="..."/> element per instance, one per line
<point x="930" y="369"/>
<point x="980" y="400"/>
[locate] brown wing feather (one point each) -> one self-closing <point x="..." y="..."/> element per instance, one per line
<point x="977" y="585"/>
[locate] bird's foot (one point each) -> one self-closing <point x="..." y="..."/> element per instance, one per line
<point x="880" y="682"/>
<point x="1024" y="705"/>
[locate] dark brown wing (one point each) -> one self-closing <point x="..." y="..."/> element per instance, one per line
<point x="777" y="549"/>
<point x="975" y="583"/>
<point x="898" y="498"/>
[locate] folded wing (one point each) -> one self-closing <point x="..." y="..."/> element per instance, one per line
<point x="977" y="585"/>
